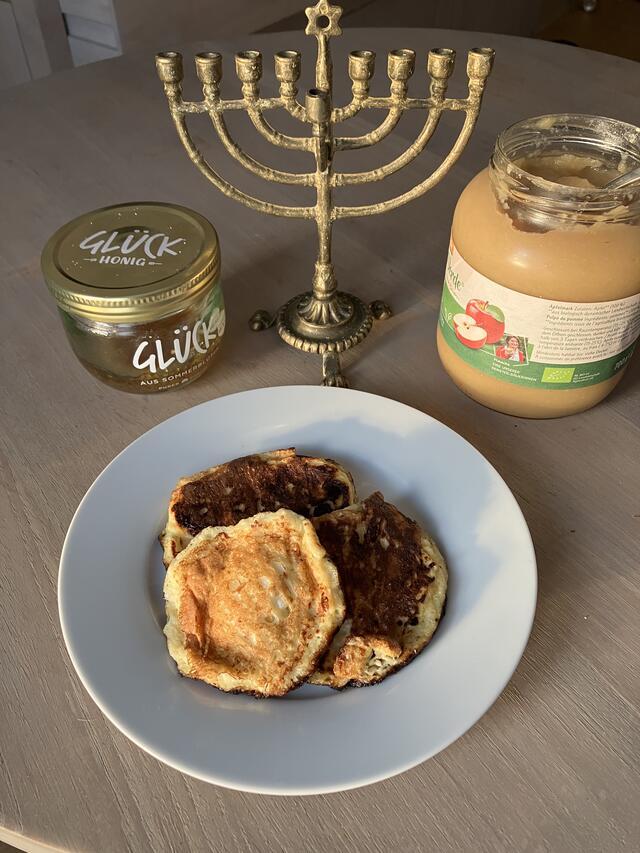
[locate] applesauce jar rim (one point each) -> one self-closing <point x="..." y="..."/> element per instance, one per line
<point x="131" y="263"/>
<point x="614" y="143"/>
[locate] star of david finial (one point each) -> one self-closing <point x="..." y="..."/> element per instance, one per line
<point x="323" y="9"/>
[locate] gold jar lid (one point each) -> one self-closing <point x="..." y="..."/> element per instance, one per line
<point x="131" y="262"/>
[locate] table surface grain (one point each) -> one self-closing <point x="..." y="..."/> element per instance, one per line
<point x="553" y="766"/>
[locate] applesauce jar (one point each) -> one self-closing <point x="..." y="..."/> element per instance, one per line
<point x="138" y="289"/>
<point x="540" y="309"/>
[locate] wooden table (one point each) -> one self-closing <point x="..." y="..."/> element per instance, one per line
<point x="553" y="765"/>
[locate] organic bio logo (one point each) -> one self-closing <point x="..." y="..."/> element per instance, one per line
<point x="107" y="248"/>
<point x="198" y="338"/>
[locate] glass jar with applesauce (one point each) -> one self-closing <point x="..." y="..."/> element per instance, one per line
<point x="541" y="303"/>
<point x="138" y="290"/>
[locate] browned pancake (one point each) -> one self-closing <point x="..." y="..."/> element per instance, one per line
<point x="252" y="607"/>
<point x="394" y="581"/>
<point x="262" y="482"/>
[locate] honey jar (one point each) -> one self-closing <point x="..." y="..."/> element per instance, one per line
<point x="138" y="290"/>
<point x="540" y="310"/>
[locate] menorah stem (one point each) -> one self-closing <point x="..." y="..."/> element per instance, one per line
<point x="324" y="67"/>
<point x="324" y="247"/>
<point x="319" y="110"/>
<point x="324" y="238"/>
<point x="323" y="307"/>
<point x="324" y="280"/>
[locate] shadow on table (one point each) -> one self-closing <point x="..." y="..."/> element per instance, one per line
<point x="266" y="283"/>
<point x="556" y="542"/>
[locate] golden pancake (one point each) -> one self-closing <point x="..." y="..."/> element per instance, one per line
<point x="262" y="482"/>
<point x="394" y="581"/>
<point x="252" y="607"/>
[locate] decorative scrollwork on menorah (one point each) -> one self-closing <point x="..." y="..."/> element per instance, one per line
<point x="325" y="320"/>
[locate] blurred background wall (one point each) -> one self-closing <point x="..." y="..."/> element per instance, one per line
<point x="39" y="37"/>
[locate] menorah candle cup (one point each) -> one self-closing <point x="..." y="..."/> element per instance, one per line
<point x="441" y="62"/>
<point x="287" y="66"/>
<point x="169" y="66"/>
<point x="401" y="65"/>
<point x="318" y="106"/>
<point x="249" y="66"/>
<point x="480" y="63"/>
<point x="362" y="64"/>
<point x="209" y="68"/>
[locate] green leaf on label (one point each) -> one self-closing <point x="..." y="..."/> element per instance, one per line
<point x="495" y="312"/>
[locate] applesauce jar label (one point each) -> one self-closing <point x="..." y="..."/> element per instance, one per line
<point x="527" y="340"/>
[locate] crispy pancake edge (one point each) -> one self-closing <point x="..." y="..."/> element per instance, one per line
<point x="429" y="614"/>
<point x="175" y="537"/>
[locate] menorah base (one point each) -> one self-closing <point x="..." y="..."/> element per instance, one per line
<point x="325" y="339"/>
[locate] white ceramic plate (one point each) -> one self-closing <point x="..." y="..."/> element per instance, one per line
<point x="314" y="740"/>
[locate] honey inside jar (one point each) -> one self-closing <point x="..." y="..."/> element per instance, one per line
<point x="541" y="305"/>
<point x="138" y="290"/>
<point x="151" y="356"/>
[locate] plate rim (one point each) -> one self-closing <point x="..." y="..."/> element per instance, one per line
<point x="310" y="790"/>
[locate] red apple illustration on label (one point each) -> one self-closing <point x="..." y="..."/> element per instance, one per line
<point x="469" y="332"/>
<point x="488" y="317"/>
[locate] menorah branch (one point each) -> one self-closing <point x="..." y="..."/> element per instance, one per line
<point x="340" y="114"/>
<point x="400" y="68"/>
<point x="294" y="108"/>
<point x="227" y="188"/>
<point x="296" y="143"/>
<point x="358" y="100"/>
<point x="347" y="143"/>
<point x="344" y="178"/>
<point x="260" y="104"/>
<point x="249" y="71"/>
<point x="229" y="105"/>
<point x="440" y="66"/>
<point x="268" y="173"/>
<point x="387" y="103"/>
<point x="421" y="188"/>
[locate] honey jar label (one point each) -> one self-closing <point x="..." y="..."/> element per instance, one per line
<point x="527" y="340"/>
<point x="168" y="358"/>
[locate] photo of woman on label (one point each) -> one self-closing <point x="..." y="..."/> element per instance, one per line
<point x="513" y="349"/>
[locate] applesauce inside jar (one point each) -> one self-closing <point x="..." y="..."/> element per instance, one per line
<point x="541" y="304"/>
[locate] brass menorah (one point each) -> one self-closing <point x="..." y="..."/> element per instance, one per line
<point x="325" y="320"/>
